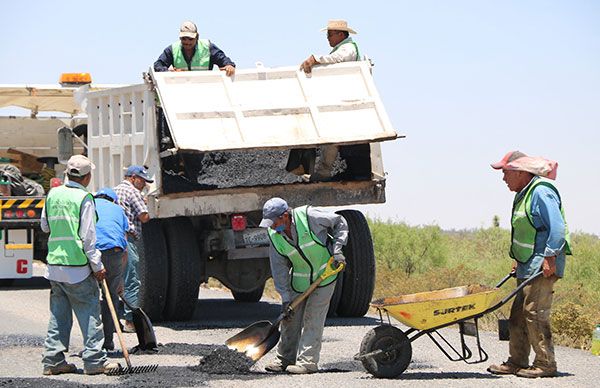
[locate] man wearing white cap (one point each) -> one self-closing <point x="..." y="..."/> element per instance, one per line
<point x="302" y="241"/>
<point x="540" y="241"/>
<point x="69" y="215"/>
<point x="191" y="53"/>
<point x="344" y="48"/>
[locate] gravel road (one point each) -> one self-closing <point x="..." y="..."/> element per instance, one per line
<point x="24" y="316"/>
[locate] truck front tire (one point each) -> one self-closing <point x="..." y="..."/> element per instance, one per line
<point x="184" y="269"/>
<point x="359" y="275"/>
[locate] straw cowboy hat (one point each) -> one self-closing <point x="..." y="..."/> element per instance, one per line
<point x="338" y="25"/>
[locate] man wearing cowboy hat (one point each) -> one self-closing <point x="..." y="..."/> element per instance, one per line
<point x="540" y="241"/>
<point x="191" y="53"/>
<point x="301" y="161"/>
<point x="344" y="48"/>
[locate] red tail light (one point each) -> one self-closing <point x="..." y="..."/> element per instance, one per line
<point x="238" y="222"/>
<point x="19" y="213"/>
<point x="7" y="214"/>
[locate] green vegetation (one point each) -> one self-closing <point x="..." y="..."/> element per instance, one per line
<point x="413" y="259"/>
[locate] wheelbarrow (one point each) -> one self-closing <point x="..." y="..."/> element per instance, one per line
<point x="386" y="350"/>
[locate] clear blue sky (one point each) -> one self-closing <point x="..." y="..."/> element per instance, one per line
<point x="466" y="81"/>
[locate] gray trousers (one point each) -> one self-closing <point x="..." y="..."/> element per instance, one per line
<point x="113" y="263"/>
<point x="301" y="336"/>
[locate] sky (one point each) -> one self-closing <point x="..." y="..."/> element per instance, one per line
<point x="465" y="81"/>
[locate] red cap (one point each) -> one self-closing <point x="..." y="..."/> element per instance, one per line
<point x="509" y="157"/>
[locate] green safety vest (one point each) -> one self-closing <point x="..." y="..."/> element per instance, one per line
<point x="346" y="41"/>
<point x="523" y="232"/>
<point x="200" y="60"/>
<point x="309" y="258"/>
<point x="63" y="210"/>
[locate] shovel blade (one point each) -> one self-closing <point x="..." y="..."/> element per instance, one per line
<point x="256" y="340"/>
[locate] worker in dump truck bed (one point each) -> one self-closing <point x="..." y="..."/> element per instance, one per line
<point x="540" y="241"/>
<point x="191" y="53"/>
<point x="300" y="161"/>
<point x="300" y="236"/>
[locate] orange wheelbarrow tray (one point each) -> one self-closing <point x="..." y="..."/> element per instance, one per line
<point x="386" y="350"/>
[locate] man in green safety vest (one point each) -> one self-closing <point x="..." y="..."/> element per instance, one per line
<point x="539" y="242"/>
<point x="302" y="242"/>
<point x="74" y="270"/>
<point x="303" y="161"/>
<point x="191" y="53"/>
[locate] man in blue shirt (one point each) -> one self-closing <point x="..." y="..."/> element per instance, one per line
<point x="111" y="241"/>
<point x="188" y="46"/>
<point x="540" y="240"/>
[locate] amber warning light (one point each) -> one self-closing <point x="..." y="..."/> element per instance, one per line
<point x="75" y="78"/>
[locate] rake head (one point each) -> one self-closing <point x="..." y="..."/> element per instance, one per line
<point x="132" y="370"/>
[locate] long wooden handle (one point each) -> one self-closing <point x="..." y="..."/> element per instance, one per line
<point x="116" y="322"/>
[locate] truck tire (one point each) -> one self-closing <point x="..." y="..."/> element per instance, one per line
<point x="249" y="297"/>
<point x="153" y="270"/>
<point x="184" y="269"/>
<point x="359" y="275"/>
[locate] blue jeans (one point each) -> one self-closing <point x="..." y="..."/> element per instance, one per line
<point x="132" y="280"/>
<point x="83" y="299"/>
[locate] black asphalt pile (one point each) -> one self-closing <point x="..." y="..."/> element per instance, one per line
<point x="244" y="168"/>
<point x="222" y="360"/>
<point x="214" y="359"/>
<point x="21" y="341"/>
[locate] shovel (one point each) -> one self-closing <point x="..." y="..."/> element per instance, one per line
<point x="129" y="369"/>
<point x="143" y="329"/>
<point x="257" y="339"/>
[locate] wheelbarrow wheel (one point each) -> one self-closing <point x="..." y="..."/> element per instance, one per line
<point x="396" y="347"/>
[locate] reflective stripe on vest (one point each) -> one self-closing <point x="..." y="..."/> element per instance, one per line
<point x="200" y="60"/>
<point x="309" y="258"/>
<point x="63" y="209"/>
<point x="524" y="234"/>
<point x="348" y="40"/>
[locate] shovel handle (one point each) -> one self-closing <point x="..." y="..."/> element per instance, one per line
<point x="329" y="271"/>
<point x="116" y="322"/>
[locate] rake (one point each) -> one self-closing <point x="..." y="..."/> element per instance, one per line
<point x="129" y="369"/>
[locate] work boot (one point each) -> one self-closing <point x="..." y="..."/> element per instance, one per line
<point x="301" y="369"/>
<point x="59" y="369"/>
<point x="276" y="367"/>
<point x="105" y="368"/>
<point x="506" y="368"/>
<point x="108" y="345"/>
<point x="535" y="371"/>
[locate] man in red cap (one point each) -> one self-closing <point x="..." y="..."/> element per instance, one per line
<point x="540" y="241"/>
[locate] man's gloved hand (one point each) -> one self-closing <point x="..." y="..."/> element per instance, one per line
<point x="338" y="259"/>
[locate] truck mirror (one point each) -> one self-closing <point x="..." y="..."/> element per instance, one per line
<point x="65" y="144"/>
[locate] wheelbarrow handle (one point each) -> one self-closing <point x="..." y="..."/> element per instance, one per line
<point x="514" y="292"/>
<point x="512" y="274"/>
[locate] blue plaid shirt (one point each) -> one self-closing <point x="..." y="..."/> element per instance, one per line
<point x="132" y="201"/>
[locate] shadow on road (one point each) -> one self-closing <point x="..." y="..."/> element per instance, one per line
<point x="227" y="313"/>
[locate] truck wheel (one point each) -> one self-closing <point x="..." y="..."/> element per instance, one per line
<point x="184" y="269"/>
<point x="249" y="297"/>
<point x="359" y="275"/>
<point x="397" y="351"/>
<point x="336" y="297"/>
<point x="153" y="270"/>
